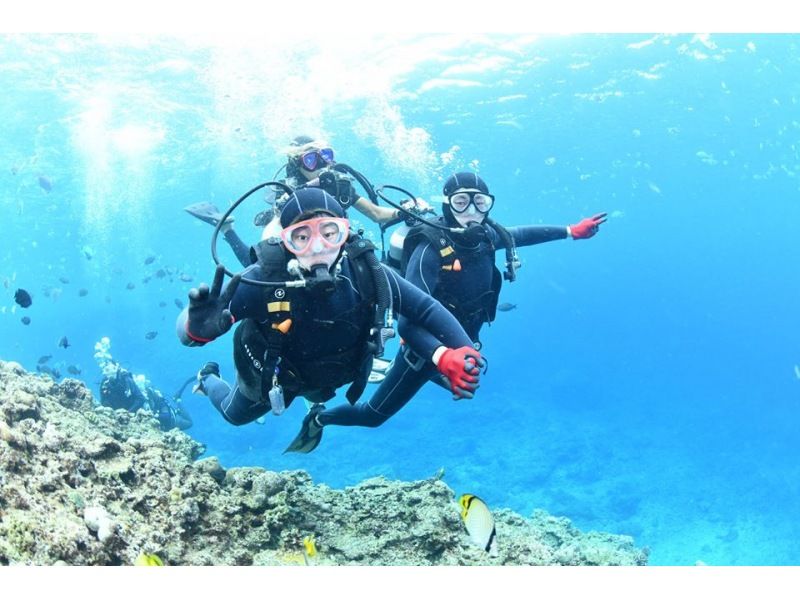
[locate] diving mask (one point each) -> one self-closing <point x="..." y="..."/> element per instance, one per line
<point x="317" y="158"/>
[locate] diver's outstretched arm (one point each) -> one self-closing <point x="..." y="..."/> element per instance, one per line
<point x="535" y="234"/>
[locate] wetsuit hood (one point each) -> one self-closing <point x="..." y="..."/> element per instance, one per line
<point x="309" y="199"/>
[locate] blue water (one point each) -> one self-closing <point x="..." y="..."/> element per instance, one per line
<point x="645" y="384"/>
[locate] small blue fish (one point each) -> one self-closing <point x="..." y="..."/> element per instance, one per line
<point x="49" y="371"/>
<point x="45" y="183"/>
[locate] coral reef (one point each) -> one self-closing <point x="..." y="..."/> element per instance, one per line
<point x="81" y="484"/>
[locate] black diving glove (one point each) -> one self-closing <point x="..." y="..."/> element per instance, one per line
<point x="209" y="316"/>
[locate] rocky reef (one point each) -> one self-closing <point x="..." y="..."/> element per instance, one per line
<point x="81" y="484"/>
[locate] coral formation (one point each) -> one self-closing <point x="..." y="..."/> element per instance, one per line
<point x="85" y="485"/>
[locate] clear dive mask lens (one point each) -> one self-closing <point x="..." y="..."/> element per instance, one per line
<point x="461" y="200"/>
<point x="315" y="235"/>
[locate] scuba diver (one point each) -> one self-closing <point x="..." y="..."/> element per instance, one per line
<point x="315" y="310"/>
<point x="310" y="163"/>
<point x="120" y="389"/>
<point x="453" y="262"/>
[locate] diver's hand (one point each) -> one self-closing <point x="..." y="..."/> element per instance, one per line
<point x="587" y="227"/>
<point x="462" y="368"/>
<point x="209" y="316"/>
<point x="346" y="193"/>
<point x="417" y="207"/>
<point x="420" y="206"/>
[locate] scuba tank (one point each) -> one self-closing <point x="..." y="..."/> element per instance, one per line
<point x="394" y="258"/>
<point x="410" y="218"/>
<point x="396" y="243"/>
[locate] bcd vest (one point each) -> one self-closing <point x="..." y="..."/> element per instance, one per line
<point x="450" y="288"/>
<point x="264" y="357"/>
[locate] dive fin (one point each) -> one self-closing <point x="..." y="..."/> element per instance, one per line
<point x="376" y="377"/>
<point x="380" y="365"/>
<point x="207" y="212"/>
<point x="310" y="433"/>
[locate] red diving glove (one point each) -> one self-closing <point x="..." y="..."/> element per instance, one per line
<point x="587" y="227"/>
<point x="461" y="367"/>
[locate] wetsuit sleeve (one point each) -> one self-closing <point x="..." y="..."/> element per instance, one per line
<point x="423" y="323"/>
<point x="531" y="235"/>
<point x="423" y="268"/>
<point x="423" y="272"/>
<point x="240" y="248"/>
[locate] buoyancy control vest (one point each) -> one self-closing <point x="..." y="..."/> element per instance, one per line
<point x="449" y="290"/>
<point x="267" y="364"/>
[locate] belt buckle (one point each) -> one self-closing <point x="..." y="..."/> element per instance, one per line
<point x="410" y="356"/>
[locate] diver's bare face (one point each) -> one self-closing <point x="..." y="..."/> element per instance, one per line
<point x="470" y="216"/>
<point x="325" y="257"/>
<point x="311" y="174"/>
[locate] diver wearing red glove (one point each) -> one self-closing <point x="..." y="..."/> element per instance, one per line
<point x="587" y="227"/>
<point x="456" y="267"/>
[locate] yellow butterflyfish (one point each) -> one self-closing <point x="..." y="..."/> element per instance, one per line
<point x="479" y="522"/>
<point x="148" y="560"/>
<point x="311" y="547"/>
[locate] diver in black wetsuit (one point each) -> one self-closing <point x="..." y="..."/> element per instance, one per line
<point x="459" y="271"/>
<point x="306" y="160"/>
<point x="118" y="390"/>
<point x="310" y="340"/>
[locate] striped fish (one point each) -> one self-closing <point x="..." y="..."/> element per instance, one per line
<point x="479" y="522"/>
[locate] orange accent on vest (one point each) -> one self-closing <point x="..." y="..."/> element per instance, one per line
<point x="283" y="326"/>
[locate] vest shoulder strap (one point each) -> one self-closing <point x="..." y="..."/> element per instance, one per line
<point x="438" y="240"/>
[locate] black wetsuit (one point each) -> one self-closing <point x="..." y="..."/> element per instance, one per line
<point x="240" y="248"/>
<point x="326" y="345"/>
<point x="170" y="413"/>
<point x="467" y="293"/>
<point x="120" y="391"/>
